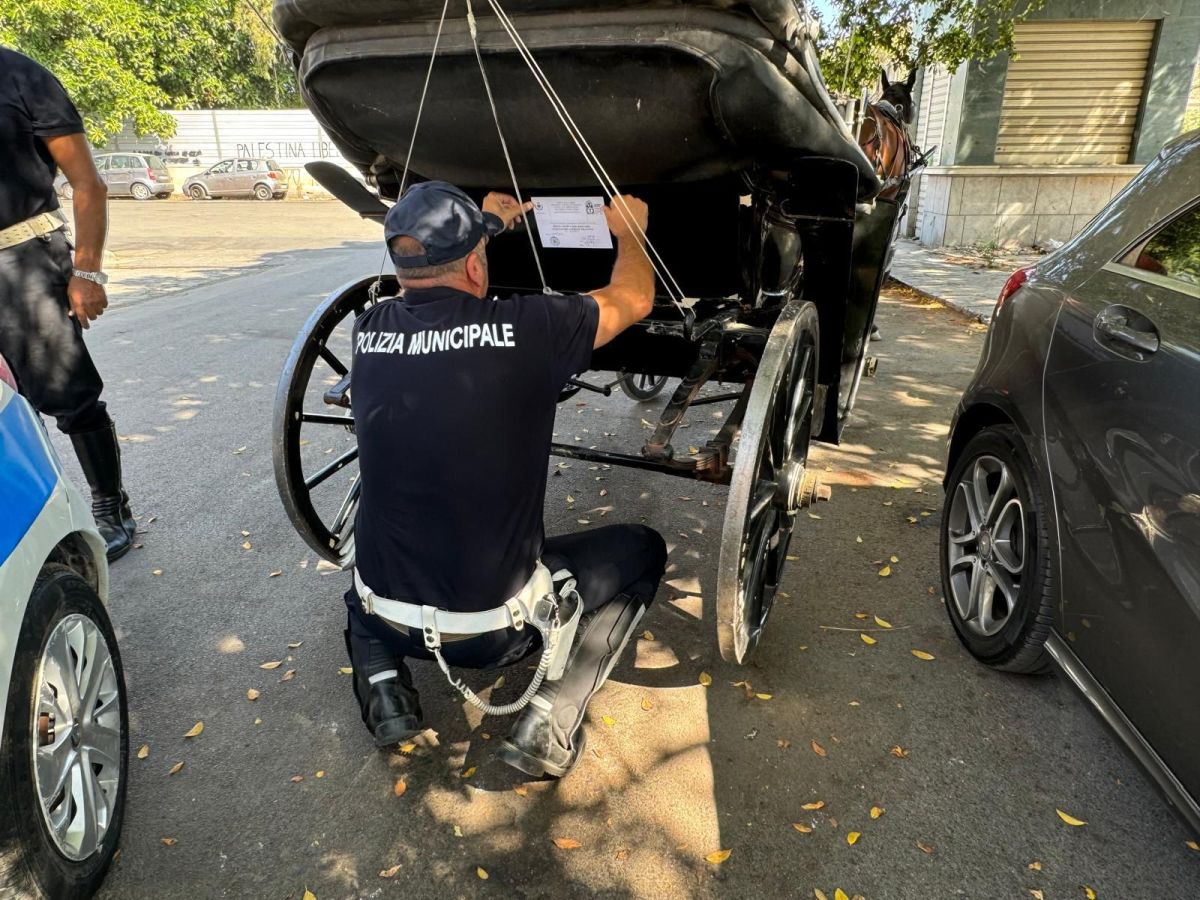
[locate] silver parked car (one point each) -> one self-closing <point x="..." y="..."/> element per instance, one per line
<point x="1071" y="531"/>
<point x="138" y="175"/>
<point x="262" y="179"/>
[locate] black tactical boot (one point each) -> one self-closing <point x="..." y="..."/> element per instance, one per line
<point x="548" y="736"/>
<point x="100" y="458"/>
<point x="390" y="707"/>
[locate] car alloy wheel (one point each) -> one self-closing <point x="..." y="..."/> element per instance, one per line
<point x="986" y="532"/>
<point x="140" y="192"/>
<point x="77" y="736"/>
<point x="196" y="192"/>
<point x="262" y="192"/>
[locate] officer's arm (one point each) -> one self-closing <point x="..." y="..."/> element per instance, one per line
<point x="90" y="204"/>
<point x="629" y="296"/>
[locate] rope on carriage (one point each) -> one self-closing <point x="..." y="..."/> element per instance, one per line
<point x="589" y="155"/>
<point x="487" y="86"/>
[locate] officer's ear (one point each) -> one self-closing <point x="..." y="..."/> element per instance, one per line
<point x="476" y="269"/>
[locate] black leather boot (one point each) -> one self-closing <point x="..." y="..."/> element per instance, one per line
<point x="548" y="736"/>
<point x="390" y="707"/>
<point x="100" y="458"/>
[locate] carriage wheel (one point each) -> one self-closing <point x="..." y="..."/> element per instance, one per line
<point x="770" y="480"/>
<point x="315" y="452"/>
<point x="641" y="387"/>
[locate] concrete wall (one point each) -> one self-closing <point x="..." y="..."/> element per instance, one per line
<point x="1015" y="207"/>
<point x="976" y="103"/>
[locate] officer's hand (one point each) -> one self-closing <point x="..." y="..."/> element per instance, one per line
<point x="87" y="299"/>
<point x="506" y="207"/>
<point x="623" y="213"/>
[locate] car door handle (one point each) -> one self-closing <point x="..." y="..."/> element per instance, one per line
<point x="1129" y="327"/>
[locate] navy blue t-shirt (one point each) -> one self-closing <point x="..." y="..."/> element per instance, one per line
<point x="33" y="105"/>
<point x="454" y="399"/>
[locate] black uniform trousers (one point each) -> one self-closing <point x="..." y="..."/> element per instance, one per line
<point x="42" y="344"/>
<point x="606" y="562"/>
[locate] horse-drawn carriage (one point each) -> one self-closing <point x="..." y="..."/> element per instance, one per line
<point x="766" y="232"/>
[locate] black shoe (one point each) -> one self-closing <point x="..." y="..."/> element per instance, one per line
<point x="390" y="712"/>
<point x="100" y="458"/>
<point x="538" y="748"/>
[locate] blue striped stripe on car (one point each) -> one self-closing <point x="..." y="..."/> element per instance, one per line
<point x="27" y="471"/>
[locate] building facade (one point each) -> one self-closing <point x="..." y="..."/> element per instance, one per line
<point x="1032" y="144"/>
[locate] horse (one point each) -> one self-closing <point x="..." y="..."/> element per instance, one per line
<point x="883" y="135"/>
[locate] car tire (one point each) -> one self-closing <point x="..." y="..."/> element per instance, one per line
<point x="140" y="191"/>
<point x="997" y="576"/>
<point x="263" y="192"/>
<point x="197" y="192"/>
<point x="32" y="863"/>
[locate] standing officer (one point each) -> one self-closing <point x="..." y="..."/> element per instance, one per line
<point x="46" y="300"/>
<point x="454" y="396"/>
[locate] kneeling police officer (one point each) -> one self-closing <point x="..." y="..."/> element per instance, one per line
<point x="454" y="396"/>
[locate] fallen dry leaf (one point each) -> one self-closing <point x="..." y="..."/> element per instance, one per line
<point x="458" y="831"/>
<point x="170" y="842"/>
<point x="274" y="664"/>
<point x="924" y="848"/>
<point x="499" y="683"/>
<point x="481" y="872"/>
<point x="899" y="752"/>
<point x="467" y="773"/>
<point x="818" y="749"/>
<point x="143" y="751"/>
<point x="195" y="730"/>
<point x="718" y="856"/>
<point x="783" y="744"/>
<point x="852" y="837"/>
<point x="275" y="574"/>
<point x="819" y="894"/>
<point x="1036" y="894"/>
<point x="252" y="694"/>
<point x="877" y="811"/>
<point x="521" y="790"/>
<point x="293" y="645"/>
<point x="246" y="545"/>
<point x="882" y="623"/>
<point x="816" y="804"/>
<point x="839" y="894"/>
<point x="763" y="696"/>
<point x="1034" y="866"/>
<point x="921" y="654"/>
<point x="408" y="748"/>
<point x="344" y="670"/>
<point x="390" y="872"/>
<point x="1069" y="819"/>
<point x="399" y="787"/>
<point x="563" y="843"/>
<point x="175" y="768"/>
<point x="623" y="853"/>
<point x="885" y="571"/>
<point x="1089" y="893"/>
<point x="803" y="829"/>
<point x="867" y="639"/>
<point x="861" y="615"/>
<point x="895" y="559"/>
<point x="646" y="704"/>
<point x="1192" y="845"/>
<point x="296" y="779"/>
<point x="320" y="773"/>
<point x="705" y="679"/>
<point x="309" y="895"/>
<point x="648" y="635"/>
<point x="288" y="675"/>
<point x="608" y="720"/>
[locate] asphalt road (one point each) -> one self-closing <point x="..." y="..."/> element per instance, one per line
<point x="286" y="792"/>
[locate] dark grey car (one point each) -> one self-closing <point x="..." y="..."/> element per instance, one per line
<point x="1071" y="529"/>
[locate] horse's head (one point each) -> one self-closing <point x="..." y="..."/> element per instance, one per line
<point x="899" y="94"/>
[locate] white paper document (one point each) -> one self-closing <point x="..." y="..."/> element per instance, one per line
<point x="572" y="222"/>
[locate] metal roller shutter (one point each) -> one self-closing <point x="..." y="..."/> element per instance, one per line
<point x="1073" y="92"/>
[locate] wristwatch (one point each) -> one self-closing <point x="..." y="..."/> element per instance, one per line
<point x="98" y="277"/>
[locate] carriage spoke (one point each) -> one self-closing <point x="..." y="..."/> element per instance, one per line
<point x="331" y="360"/>
<point x="348" y="507"/>
<point x="337" y="465"/>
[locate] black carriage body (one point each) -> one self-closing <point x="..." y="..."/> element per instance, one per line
<point x="761" y="207"/>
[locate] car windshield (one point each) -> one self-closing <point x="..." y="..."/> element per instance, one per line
<point x="156" y="163"/>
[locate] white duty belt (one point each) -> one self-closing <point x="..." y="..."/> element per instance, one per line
<point x="37" y="226"/>
<point x="554" y="613"/>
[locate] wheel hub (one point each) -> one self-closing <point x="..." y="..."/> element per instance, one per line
<point x="985" y="545"/>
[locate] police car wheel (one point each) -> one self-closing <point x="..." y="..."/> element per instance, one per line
<point x="64" y="763"/>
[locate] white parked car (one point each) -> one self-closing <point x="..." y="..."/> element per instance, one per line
<point x="64" y="729"/>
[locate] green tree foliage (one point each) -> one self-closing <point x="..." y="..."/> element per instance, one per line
<point x="126" y="60"/>
<point x="860" y="36"/>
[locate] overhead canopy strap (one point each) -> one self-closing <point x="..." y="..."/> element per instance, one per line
<point x="589" y="155"/>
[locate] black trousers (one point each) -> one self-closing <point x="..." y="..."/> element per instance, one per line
<point x="606" y="562"/>
<point x="42" y="344"/>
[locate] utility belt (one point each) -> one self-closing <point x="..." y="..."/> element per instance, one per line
<point x="40" y="225"/>
<point x="548" y="602"/>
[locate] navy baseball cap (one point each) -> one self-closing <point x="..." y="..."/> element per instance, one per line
<point x="445" y="220"/>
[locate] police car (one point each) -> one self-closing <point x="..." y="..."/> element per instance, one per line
<point x="63" y="721"/>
